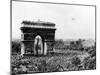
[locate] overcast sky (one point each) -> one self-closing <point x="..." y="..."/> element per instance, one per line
<point x="72" y="21"/>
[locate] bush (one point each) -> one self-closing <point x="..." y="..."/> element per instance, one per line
<point x="90" y="63"/>
<point x="76" y="61"/>
<point x="16" y="48"/>
<point x="42" y="66"/>
<point x="92" y="52"/>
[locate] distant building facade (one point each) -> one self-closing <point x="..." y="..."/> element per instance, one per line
<point x="37" y="37"/>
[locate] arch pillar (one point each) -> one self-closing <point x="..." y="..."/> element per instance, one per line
<point x="45" y="48"/>
<point x="22" y="49"/>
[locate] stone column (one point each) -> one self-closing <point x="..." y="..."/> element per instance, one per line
<point x="45" y="48"/>
<point x="34" y="47"/>
<point x="41" y="43"/>
<point x="22" y="48"/>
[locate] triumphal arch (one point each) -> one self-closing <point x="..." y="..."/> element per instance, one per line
<point x="38" y="37"/>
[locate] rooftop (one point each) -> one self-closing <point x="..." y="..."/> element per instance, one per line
<point x="38" y="23"/>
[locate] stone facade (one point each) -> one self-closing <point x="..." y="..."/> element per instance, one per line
<point x="45" y="32"/>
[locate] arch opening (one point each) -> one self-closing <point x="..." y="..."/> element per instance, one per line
<point x="38" y="45"/>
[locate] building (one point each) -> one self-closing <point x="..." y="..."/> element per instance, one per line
<point x="37" y="37"/>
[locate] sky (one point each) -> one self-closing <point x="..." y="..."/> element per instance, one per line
<point x="72" y="21"/>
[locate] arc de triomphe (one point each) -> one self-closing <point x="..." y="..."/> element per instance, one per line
<point x="37" y="37"/>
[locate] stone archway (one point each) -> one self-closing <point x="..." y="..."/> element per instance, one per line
<point x="38" y="45"/>
<point x="44" y="32"/>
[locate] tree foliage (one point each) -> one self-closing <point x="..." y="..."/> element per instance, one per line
<point x="16" y="47"/>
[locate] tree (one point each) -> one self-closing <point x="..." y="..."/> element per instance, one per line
<point x="16" y="47"/>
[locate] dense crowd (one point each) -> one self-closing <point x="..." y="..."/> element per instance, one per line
<point x="54" y="62"/>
